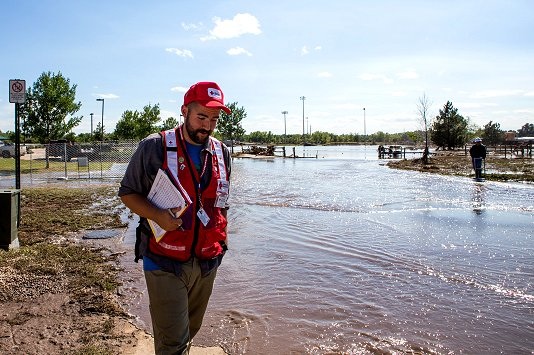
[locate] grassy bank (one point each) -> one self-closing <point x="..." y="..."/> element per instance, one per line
<point x="74" y="283"/>
<point x="457" y="163"/>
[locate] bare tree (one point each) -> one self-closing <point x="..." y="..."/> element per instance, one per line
<point x="422" y="108"/>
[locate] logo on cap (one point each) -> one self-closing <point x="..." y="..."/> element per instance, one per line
<point x="215" y="93"/>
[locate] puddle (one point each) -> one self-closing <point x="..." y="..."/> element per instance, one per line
<point x="103" y="234"/>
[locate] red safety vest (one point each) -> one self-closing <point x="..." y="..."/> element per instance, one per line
<point x="200" y="238"/>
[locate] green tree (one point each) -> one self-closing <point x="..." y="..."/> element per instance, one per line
<point x="169" y="123"/>
<point x="449" y="128"/>
<point x="49" y="102"/>
<point x="137" y="125"/>
<point x="526" y="131"/>
<point x="229" y="125"/>
<point x="492" y="133"/>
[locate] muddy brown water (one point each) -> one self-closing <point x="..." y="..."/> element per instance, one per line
<point x="342" y="255"/>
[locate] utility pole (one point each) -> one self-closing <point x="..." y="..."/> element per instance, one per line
<point x="364" y="126"/>
<point x="102" y="128"/>
<point x="91" y="135"/>
<point x="303" y="98"/>
<point x="285" y="130"/>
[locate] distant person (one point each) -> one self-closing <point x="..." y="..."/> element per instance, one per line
<point x="478" y="154"/>
<point x="180" y="267"/>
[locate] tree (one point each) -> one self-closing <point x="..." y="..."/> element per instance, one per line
<point x="449" y="129"/>
<point x="422" y="108"/>
<point x="48" y="103"/>
<point x="229" y="125"/>
<point x="137" y="125"/>
<point x="526" y="131"/>
<point x="492" y="133"/>
<point x="169" y="123"/>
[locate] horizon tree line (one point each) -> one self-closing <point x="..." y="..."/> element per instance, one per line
<point x="50" y="108"/>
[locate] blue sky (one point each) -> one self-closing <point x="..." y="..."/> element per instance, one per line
<point x="342" y="55"/>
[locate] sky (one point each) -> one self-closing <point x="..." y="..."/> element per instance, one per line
<point x="362" y="66"/>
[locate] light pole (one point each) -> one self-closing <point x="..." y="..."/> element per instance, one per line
<point x="303" y="98"/>
<point x="91" y="125"/>
<point x="364" y="127"/>
<point x="307" y="126"/>
<point x="285" y="113"/>
<point x="102" y="124"/>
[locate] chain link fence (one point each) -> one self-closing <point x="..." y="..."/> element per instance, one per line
<point x="68" y="161"/>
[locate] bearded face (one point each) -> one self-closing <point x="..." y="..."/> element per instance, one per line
<point x="200" y="122"/>
<point x="199" y="135"/>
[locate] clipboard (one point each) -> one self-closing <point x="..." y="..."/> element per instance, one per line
<point x="165" y="194"/>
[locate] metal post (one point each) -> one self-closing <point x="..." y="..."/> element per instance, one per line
<point x="364" y="126"/>
<point x="102" y="124"/>
<point x="303" y="98"/>
<point x="285" y="131"/>
<point x="91" y="135"/>
<point x="17" y="147"/>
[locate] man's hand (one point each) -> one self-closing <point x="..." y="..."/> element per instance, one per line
<point x="166" y="219"/>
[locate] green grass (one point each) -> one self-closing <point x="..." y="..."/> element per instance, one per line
<point x="37" y="166"/>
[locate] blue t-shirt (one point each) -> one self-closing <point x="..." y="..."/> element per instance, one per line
<point x="193" y="151"/>
<point x="149" y="265"/>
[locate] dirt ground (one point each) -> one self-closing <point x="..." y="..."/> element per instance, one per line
<point x="61" y="293"/>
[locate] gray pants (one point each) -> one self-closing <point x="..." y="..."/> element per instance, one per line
<point x="177" y="306"/>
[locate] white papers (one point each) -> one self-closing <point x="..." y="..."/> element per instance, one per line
<point x="164" y="194"/>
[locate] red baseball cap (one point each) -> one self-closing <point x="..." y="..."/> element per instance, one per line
<point x="208" y="94"/>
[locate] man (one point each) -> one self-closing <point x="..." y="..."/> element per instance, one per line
<point x="180" y="267"/>
<point x="478" y="154"/>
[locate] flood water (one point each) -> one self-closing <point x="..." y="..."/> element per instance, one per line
<point x="343" y="255"/>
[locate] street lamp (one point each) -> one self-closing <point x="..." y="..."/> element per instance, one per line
<point x="102" y="124"/>
<point x="303" y="98"/>
<point x="285" y="113"/>
<point x="364" y="127"/>
<point x="91" y="125"/>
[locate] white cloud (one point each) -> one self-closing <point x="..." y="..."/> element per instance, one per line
<point x="324" y="74"/>
<point x="238" y="51"/>
<point x="179" y="89"/>
<point x="530" y="93"/>
<point x="471" y="105"/>
<point x="398" y="93"/>
<point x="164" y="114"/>
<point x="305" y="50"/>
<point x="409" y="74"/>
<point x="369" y="76"/>
<point x="192" y="26"/>
<point x="495" y="93"/>
<point x="241" y="24"/>
<point x="180" y="52"/>
<point x="106" y="96"/>
<point x="524" y="110"/>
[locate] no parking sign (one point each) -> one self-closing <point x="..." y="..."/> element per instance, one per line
<point x="17" y="91"/>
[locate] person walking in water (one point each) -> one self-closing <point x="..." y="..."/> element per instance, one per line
<point x="180" y="266"/>
<point x="478" y="155"/>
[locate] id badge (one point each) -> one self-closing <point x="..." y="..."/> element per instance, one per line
<point x="203" y="216"/>
<point x="223" y="187"/>
<point x="220" y="201"/>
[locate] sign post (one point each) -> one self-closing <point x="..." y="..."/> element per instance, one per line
<point x="17" y="95"/>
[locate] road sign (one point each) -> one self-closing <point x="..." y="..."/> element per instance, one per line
<point x="17" y="91"/>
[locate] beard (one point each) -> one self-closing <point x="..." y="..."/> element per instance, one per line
<point x="196" y="134"/>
